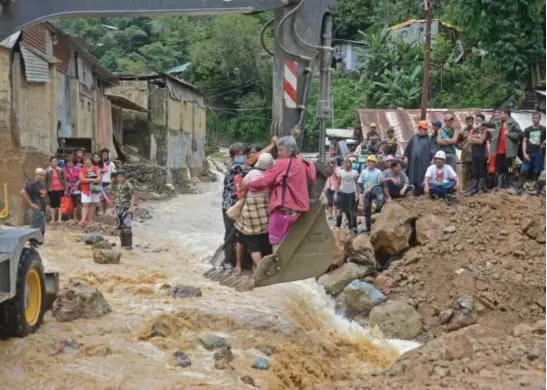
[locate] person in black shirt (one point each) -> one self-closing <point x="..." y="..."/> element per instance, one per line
<point x="533" y="151"/>
<point x="35" y="194"/>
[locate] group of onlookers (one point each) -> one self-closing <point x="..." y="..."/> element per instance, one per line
<point x="490" y="152"/>
<point x="81" y="181"/>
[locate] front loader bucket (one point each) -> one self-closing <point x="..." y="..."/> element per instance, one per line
<point x="52" y="288"/>
<point x="305" y="252"/>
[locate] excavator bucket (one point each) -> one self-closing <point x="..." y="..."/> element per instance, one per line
<point x="305" y="252"/>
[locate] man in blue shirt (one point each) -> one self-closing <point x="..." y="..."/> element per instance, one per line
<point x="369" y="181"/>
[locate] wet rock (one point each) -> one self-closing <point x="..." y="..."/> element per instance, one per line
<point x="335" y="281"/>
<point x="104" y="256"/>
<point x="261" y="364"/>
<point x="248" y="380"/>
<point x="445" y="316"/>
<point x="450" y="229"/>
<point x="212" y="341"/>
<point x="392" y="231"/>
<point x="102" y="245"/>
<point x="182" y="359"/>
<point x="342" y="241"/>
<point x="361" y="252"/>
<point x="92" y="238"/>
<point x="181" y="291"/>
<point x="361" y="297"/>
<point x="65" y="346"/>
<point x="396" y="320"/>
<point x="224" y="353"/>
<point x="428" y="227"/>
<point x="80" y="301"/>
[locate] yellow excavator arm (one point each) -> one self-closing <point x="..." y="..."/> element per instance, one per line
<point x="303" y="40"/>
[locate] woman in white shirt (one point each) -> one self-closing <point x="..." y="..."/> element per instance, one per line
<point x="346" y="194"/>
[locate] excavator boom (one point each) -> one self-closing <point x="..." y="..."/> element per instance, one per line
<point x="302" y="32"/>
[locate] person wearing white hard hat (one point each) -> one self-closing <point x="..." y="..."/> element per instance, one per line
<point x="440" y="179"/>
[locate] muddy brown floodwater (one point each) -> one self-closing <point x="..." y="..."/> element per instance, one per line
<point x="312" y="344"/>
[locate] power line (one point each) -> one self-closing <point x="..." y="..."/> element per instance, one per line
<point x="235" y="89"/>
<point x="237" y="114"/>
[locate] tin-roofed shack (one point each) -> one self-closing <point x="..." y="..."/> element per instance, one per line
<point x="172" y="132"/>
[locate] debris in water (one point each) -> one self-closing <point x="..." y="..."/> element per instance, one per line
<point x="248" y="380"/>
<point x="211" y="341"/>
<point x="223" y="356"/>
<point x="92" y="238"/>
<point x="65" y="346"/>
<point x="266" y="349"/>
<point x="96" y="350"/>
<point x="182" y="359"/>
<point x="181" y="291"/>
<point x="460" y="271"/>
<point x="79" y="301"/>
<point x="261" y="364"/>
<point x="105" y="256"/>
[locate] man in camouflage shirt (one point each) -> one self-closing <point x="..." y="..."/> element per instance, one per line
<point x="124" y="205"/>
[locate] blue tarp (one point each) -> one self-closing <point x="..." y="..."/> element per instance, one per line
<point x="179" y="69"/>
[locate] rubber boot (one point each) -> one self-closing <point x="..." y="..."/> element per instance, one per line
<point x="474" y="189"/>
<point x="502" y="181"/>
<point x="368" y="224"/>
<point x="128" y="240"/>
<point x="123" y="239"/>
<point x="339" y="220"/>
<point x="517" y="189"/>
<point x="482" y="187"/>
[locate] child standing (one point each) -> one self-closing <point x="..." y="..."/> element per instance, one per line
<point x="124" y="205"/>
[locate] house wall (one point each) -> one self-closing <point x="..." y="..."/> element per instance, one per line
<point x="415" y="32"/>
<point x="5" y="100"/>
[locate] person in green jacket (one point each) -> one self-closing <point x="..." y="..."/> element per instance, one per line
<point x="504" y="144"/>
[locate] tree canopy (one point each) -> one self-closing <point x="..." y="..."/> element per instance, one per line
<point x="500" y="42"/>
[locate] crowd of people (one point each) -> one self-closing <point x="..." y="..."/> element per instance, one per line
<point x="491" y="152"/>
<point x="81" y="182"/>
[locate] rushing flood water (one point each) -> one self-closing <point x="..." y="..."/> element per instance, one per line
<point x="312" y="344"/>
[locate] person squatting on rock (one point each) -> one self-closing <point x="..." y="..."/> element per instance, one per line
<point x="440" y="179"/>
<point x="288" y="182"/>
<point x="125" y="204"/>
<point x="504" y="142"/>
<point x="477" y="141"/>
<point x="34" y="194"/>
<point x="346" y="194"/>
<point x="395" y="182"/>
<point x="447" y="139"/>
<point x="252" y="223"/>
<point x="533" y="152"/>
<point x="369" y="181"/>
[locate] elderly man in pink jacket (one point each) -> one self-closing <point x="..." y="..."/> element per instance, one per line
<point x="288" y="182"/>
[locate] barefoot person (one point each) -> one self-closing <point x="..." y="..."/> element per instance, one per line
<point x="90" y="186"/>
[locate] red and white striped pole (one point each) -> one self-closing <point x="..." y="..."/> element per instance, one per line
<point x="290" y="82"/>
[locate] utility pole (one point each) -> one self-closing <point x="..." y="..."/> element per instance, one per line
<point x="427" y="59"/>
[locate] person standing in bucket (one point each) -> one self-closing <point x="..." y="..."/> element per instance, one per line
<point x="440" y="180"/>
<point x="124" y="206"/>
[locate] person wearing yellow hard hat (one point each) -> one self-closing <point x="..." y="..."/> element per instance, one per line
<point x="418" y="154"/>
<point x="369" y="182"/>
<point x="372" y="133"/>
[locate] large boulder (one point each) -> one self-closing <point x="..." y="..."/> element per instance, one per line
<point x="335" y="281"/>
<point x="392" y="231"/>
<point x="106" y="256"/>
<point x="361" y="252"/>
<point x="361" y="297"/>
<point x="79" y="301"/>
<point x="342" y="241"/>
<point x="428" y="227"/>
<point x="396" y="320"/>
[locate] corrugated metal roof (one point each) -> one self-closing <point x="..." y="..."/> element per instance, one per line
<point x="11" y="40"/>
<point x="404" y="122"/>
<point x="340" y="133"/>
<point x="412" y="21"/>
<point x="36" y="67"/>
